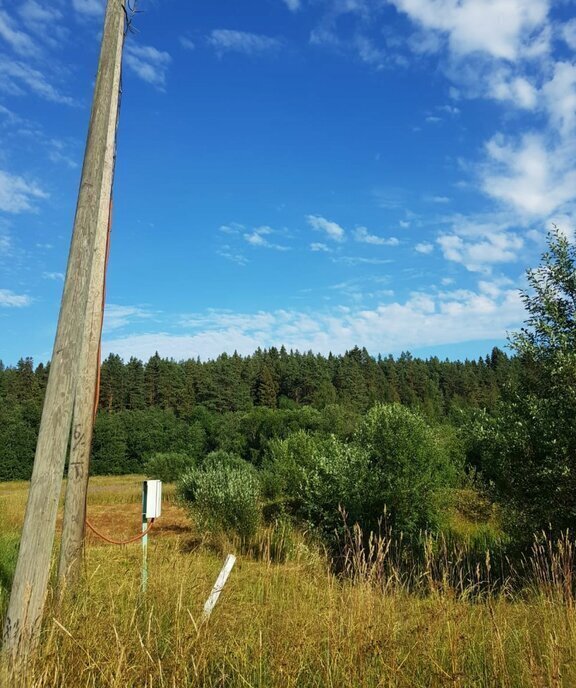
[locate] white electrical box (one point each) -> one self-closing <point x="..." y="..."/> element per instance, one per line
<point x="152" y="500"/>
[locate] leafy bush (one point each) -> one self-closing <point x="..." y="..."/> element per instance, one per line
<point x="409" y="460"/>
<point x="315" y="477"/>
<point x="168" y="466"/>
<point x="224" y="495"/>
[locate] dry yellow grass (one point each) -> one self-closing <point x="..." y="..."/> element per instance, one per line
<point x="291" y="624"/>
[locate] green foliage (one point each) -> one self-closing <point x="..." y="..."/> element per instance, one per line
<point x="239" y="404"/>
<point x="527" y="449"/>
<point x="8" y="554"/>
<point x="409" y="460"/>
<point x="315" y="477"/>
<point x="168" y="466"/>
<point x="224" y="495"/>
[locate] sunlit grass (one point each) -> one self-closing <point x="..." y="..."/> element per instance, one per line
<point x="291" y="624"/>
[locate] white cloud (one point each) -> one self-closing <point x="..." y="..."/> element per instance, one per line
<point x="257" y="238"/>
<point x="44" y="21"/>
<point x="560" y="98"/>
<point x="293" y="5"/>
<point x="479" y="253"/>
<point x="569" y="33"/>
<point x="517" y="90"/>
<point x="424" y="247"/>
<point x="8" y="299"/>
<point x="227" y="40"/>
<point x="148" y="63"/>
<point x="18" y="195"/>
<point x="187" y="43"/>
<point x="529" y="175"/>
<point x="92" y="8"/>
<point x="332" y="230"/>
<point x="502" y="29"/>
<point x="232" y="228"/>
<point x="358" y="260"/>
<point x="15" y="74"/>
<point x="18" y="40"/>
<point x="5" y="244"/>
<point x="421" y="320"/>
<point x="55" y="276"/>
<point x="320" y="247"/>
<point x="362" y="235"/>
<point x="116" y="317"/>
<point x="229" y="253"/>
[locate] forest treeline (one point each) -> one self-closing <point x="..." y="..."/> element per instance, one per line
<point x="349" y="430"/>
<point x="238" y="403"/>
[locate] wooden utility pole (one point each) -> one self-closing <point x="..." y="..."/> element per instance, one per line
<point x="30" y="585"/>
<point x="85" y="403"/>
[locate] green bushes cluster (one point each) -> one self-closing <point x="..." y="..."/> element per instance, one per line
<point x="224" y="494"/>
<point x="395" y="463"/>
<point x="168" y="466"/>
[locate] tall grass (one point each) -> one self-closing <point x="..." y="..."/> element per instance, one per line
<point x="383" y="620"/>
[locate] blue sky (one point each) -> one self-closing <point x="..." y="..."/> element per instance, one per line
<point x="313" y="173"/>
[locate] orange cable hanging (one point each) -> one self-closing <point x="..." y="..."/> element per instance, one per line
<point x="120" y="542"/>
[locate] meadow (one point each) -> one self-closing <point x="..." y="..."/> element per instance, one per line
<point x="294" y="623"/>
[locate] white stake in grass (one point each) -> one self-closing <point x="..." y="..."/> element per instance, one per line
<point x="218" y="586"/>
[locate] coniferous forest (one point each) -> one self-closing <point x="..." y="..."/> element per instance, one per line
<point x="239" y="403"/>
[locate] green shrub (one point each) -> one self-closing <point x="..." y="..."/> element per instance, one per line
<point x="8" y="555"/>
<point x="168" y="466"/>
<point x="224" y="497"/>
<point x="409" y="461"/>
<point x="315" y="477"/>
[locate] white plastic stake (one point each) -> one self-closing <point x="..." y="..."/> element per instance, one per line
<point x="218" y="586"/>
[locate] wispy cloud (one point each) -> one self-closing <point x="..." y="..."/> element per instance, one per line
<point x="227" y="40"/>
<point x="16" y="76"/>
<point x="9" y="299"/>
<point x="362" y="235"/>
<point x="424" y="247"/>
<point x="90" y="8"/>
<point x="187" y="43"/>
<point x="293" y="5"/>
<point x="148" y="63"/>
<point x="332" y="230"/>
<point x="444" y="318"/>
<point x="44" y="22"/>
<point x="257" y="237"/>
<point x="117" y="317"/>
<point x="18" y="40"/>
<point x="55" y="276"/>
<point x="18" y="195"/>
<point x="231" y="254"/>
<point x="361" y="260"/>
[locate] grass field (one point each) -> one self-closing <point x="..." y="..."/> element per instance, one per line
<point x="289" y="624"/>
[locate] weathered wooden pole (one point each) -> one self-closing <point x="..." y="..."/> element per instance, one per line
<point x="23" y="620"/>
<point x="73" y="524"/>
<point x="73" y="528"/>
